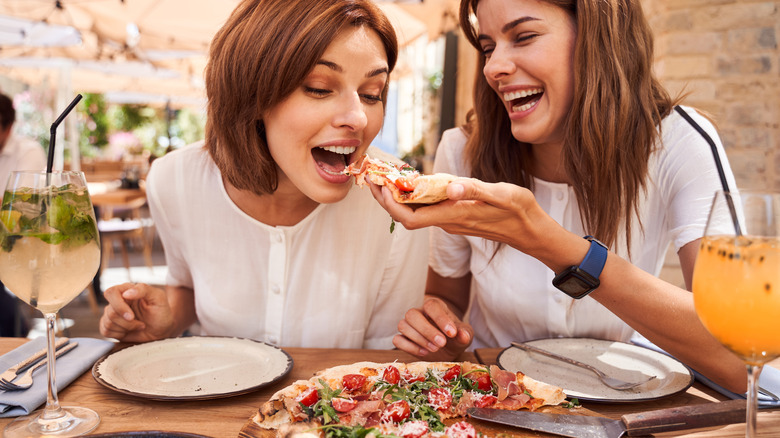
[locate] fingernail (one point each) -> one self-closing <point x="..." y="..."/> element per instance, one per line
<point x="423" y="352"/>
<point x="128" y="316"/>
<point x="432" y="348"/>
<point x="450" y="331"/>
<point x="440" y="341"/>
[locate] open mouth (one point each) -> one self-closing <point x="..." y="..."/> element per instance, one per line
<point x="333" y="159"/>
<point x="525" y="99"/>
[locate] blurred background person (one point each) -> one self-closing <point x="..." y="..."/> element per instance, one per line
<point x="16" y="153"/>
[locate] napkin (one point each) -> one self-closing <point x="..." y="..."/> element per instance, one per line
<point x="69" y="367"/>
<point x="768" y="380"/>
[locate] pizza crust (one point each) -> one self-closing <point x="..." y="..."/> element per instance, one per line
<point x="428" y="189"/>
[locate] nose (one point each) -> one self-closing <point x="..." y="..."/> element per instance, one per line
<point x="498" y="65"/>
<point x="352" y="113"/>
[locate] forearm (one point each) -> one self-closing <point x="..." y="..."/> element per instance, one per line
<point x="660" y="311"/>
<point x="665" y="314"/>
<point x="182" y="303"/>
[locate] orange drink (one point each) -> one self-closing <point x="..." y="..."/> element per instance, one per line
<point x="736" y="291"/>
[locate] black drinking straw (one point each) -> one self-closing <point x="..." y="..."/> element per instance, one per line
<point x="53" y="131"/>
<point x="718" y="164"/>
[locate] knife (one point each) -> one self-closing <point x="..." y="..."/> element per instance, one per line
<point x="643" y="423"/>
<point x="12" y="372"/>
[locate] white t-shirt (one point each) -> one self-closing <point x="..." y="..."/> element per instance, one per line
<point x="337" y="279"/>
<point x="20" y="153"/>
<point x="513" y="298"/>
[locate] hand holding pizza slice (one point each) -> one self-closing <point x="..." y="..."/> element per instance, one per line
<point x="406" y="184"/>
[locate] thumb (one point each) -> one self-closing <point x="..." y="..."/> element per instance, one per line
<point x="466" y="189"/>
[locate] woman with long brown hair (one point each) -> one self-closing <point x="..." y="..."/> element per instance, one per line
<point x="265" y="237"/>
<point x="571" y="136"/>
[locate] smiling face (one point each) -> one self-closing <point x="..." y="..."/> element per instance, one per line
<point x="529" y="47"/>
<point x="331" y="119"/>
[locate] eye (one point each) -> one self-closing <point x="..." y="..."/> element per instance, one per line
<point x="525" y="37"/>
<point x="317" y="92"/>
<point x="487" y="50"/>
<point x="371" y="98"/>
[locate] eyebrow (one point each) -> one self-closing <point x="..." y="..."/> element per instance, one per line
<point x="337" y="68"/>
<point x="509" y="26"/>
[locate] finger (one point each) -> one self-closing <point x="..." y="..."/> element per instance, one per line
<point x="117" y="303"/>
<point x="413" y="326"/>
<point x="442" y="316"/>
<point x="116" y="321"/>
<point x="404" y="344"/>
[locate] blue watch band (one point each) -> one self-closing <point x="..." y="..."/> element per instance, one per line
<point x="595" y="259"/>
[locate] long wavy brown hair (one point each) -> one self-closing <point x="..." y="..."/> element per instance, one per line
<point x="613" y="124"/>
<point x="263" y="53"/>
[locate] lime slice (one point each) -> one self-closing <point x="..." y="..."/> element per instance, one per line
<point x="9" y="218"/>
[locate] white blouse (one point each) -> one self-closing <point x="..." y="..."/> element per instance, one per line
<point x="513" y="298"/>
<point x="337" y="279"/>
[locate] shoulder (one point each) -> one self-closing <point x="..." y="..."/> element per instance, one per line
<point x="676" y="128"/>
<point x="191" y="158"/>
<point x="183" y="167"/>
<point x="450" y="154"/>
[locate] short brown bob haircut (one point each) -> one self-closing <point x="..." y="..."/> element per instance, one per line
<point x="258" y="58"/>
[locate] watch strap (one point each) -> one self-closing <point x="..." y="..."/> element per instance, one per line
<point x="595" y="259"/>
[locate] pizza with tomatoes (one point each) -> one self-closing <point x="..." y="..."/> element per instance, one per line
<point x="405" y="183"/>
<point x="419" y="399"/>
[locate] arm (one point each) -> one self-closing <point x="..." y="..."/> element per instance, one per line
<point x="436" y="330"/>
<point x="141" y="313"/>
<point x="507" y="213"/>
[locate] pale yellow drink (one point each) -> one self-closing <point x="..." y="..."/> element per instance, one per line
<point x="736" y="290"/>
<point x="49" y="248"/>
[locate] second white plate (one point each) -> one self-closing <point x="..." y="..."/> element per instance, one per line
<point x="616" y="359"/>
<point x="192" y="368"/>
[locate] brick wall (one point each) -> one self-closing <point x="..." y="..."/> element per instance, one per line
<point x="725" y="54"/>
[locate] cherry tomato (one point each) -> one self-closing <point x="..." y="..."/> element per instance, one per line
<point x="461" y="429"/>
<point x="440" y="399"/>
<point x="409" y="378"/>
<point x="353" y="382"/>
<point x="404" y="184"/>
<point x="452" y="373"/>
<point x="485" y="401"/>
<point x="414" y="429"/>
<point x="391" y="375"/>
<point x="482" y="380"/>
<point x="308" y="397"/>
<point x="396" y="412"/>
<point x="343" y="404"/>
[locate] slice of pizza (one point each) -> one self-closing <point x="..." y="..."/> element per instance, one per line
<point x="419" y="399"/>
<point x="405" y="183"/>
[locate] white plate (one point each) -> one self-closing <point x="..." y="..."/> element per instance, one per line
<point x="192" y="368"/>
<point x="617" y="359"/>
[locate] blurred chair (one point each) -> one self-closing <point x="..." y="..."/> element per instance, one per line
<point x="125" y="225"/>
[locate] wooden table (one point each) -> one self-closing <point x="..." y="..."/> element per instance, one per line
<point x="226" y="417"/>
<point x="108" y="195"/>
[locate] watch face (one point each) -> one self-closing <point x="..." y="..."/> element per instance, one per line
<point x="575" y="282"/>
<point x="573" y="285"/>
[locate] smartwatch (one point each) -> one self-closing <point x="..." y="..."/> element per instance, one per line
<point x="578" y="281"/>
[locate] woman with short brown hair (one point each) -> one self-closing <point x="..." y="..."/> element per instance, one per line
<point x="265" y="237"/>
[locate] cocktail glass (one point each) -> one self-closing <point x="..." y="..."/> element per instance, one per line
<point x="736" y="281"/>
<point x="49" y="252"/>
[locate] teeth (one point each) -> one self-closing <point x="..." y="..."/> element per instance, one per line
<point x="344" y="150"/>
<point x="527" y="106"/>
<point x="518" y="94"/>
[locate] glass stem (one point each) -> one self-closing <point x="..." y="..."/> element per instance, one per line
<point x="52" y="409"/>
<point x="753" y="371"/>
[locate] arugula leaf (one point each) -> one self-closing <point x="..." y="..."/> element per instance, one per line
<point x="340" y="431"/>
<point x="323" y="408"/>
